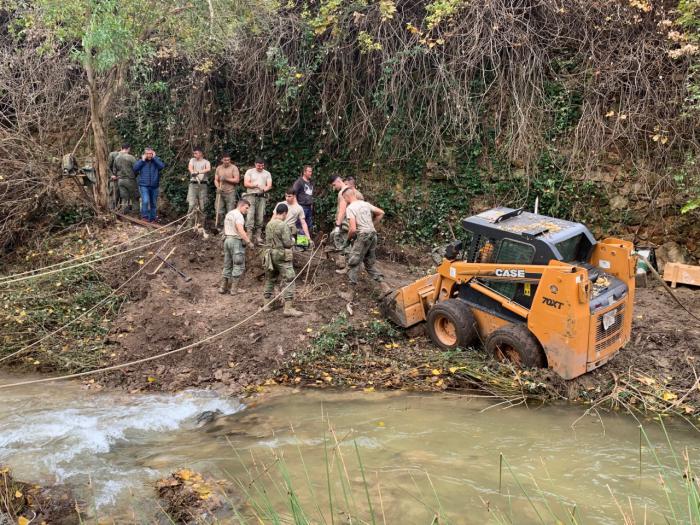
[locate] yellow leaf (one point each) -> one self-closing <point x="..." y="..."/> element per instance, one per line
<point x="298" y="75"/>
<point x="664" y="140"/>
<point x="439" y="383"/>
<point x="380" y="423"/>
<point x="309" y="330"/>
<point x="453" y="369"/>
<point x="184" y="474"/>
<point x="140" y="261"/>
<point x="22" y="521"/>
<point x="610" y="113"/>
<point x="668" y="396"/>
<point x="151" y="379"/>
<point x="436" y="371"/>
<point x="656" y="137"/>
<point x="368" y="389"/>
<point x="18" y="494"/>
<point x="623" y="117"/>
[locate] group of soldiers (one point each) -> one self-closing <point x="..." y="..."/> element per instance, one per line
<point x="353" y="238"/>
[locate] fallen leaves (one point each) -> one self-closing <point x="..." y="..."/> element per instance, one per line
<point x="187" y="493"/>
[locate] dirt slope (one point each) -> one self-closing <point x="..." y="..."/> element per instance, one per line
<point x="174" y="313"/>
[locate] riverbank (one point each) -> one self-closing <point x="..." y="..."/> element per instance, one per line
<point x="330" y="346"/>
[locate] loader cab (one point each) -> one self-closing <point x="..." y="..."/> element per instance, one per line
<point x="514" y="236"/>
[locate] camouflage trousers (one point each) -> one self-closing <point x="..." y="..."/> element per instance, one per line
<point x="227" y="202"/>
<point x="234" y="257"/>
<point x="282" y="271"/>
<point x="256" y="214"/>
<point x="363" y="250"/>
<point x="128" y="193"/>
<point x="197" y="200"/>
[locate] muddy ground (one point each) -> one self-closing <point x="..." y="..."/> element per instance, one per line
<point x="332" y="347"/>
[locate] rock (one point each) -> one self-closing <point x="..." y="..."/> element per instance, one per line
<point x="618" y="202"/>
<point x="671" y="251"/>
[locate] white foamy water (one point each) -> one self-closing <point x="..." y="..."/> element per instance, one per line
<point x="69" y="435"/>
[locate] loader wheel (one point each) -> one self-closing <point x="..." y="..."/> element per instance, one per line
<point x="515" y="344"/>
<point x="451" y="324"/>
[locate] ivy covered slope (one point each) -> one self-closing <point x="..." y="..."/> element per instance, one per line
<point x="439" y="107"/>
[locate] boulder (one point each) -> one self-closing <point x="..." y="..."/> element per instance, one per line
<point x="671" y="251"/>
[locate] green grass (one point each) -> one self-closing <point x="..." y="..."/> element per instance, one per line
<point x="272" y="493"/>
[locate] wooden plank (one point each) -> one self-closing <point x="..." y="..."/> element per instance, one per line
<point x="682" y="273"/>
<point x="140" y="222"/>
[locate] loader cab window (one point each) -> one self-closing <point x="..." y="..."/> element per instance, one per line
<point x="570" y="249"/>
<point x="515" y="252"/>
<point x="511" y="252"/>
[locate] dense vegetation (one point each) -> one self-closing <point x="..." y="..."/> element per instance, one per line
<point x="434" y="103"/>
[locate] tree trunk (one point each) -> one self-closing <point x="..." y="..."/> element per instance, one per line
<point x="100" y="97"/>
<point x="97" y="122"/>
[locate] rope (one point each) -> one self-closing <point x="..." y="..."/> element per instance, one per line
<point x="152" y="232"/>
<point x="91" y="261"/>
<point x="171" y="352"/>
<point x="84" y="314"/>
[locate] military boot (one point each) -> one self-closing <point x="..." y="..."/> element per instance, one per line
<point x="290" y="311"/>
<point x="343" y="271"/>
<point x="268" y="304"/>
<point x="235" y="286"/>
<point x="225" y="285"/>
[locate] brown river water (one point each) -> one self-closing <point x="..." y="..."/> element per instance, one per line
<point x="421" y="455"/>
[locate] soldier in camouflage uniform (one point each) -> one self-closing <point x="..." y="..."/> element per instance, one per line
<point x="121" y="165"/>
<point x="234" y="248"/>
<point x="277" y="260"/>
<point x="362" y="218"/>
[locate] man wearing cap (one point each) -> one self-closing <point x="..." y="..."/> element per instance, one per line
<point x="277" y="261"/>
<point x="257" y="182"/>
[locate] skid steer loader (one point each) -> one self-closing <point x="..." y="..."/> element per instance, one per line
<point x="537" y="291"/>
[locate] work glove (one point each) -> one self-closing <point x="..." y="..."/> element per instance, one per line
<point x="250" y="244"/>
<point x="200" y="177"/>
<point x="336" y="230"/>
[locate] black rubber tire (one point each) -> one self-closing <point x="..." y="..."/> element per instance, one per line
<point x="516" y="344"/>
<point x="458" y="313"/>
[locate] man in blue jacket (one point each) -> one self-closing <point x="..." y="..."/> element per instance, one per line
<point x="148" y="170"/>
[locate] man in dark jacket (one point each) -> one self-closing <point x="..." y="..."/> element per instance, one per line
<point x="148" y="170"/>
<point x="304" y="190"/>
